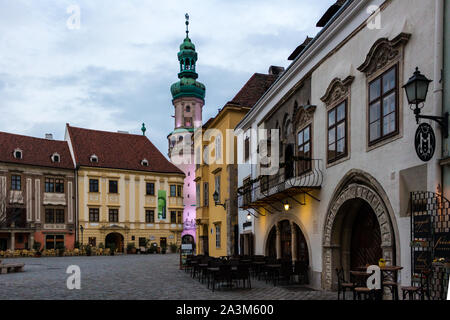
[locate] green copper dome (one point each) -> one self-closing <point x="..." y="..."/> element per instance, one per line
<point x="188" y="86"/>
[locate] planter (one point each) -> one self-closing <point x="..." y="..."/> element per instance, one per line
<point x="38" y="254"/>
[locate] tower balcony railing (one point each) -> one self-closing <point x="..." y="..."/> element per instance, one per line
<point x="300" y="176"/>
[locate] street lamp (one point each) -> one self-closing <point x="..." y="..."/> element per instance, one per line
<point x="249" y="217"/>
<point x="216" y="200"/>
<point x="416" y="91"/>
<point x="286" y="206"/>
<point x="81" y="229"/>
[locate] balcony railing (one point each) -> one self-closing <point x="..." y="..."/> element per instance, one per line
<point x="301" y="175"/>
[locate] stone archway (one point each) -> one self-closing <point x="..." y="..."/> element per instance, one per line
<point x="115" y="240"/>
<point x="331" y="247"/>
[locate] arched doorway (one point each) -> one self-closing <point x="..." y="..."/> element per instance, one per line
<point x="188" y="239"/>
<point x="289" y="232"/>
<point x="357" y="231"/>
<point x="116" y="240"/>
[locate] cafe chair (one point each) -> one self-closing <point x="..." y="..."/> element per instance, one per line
<point x="412" y="292"/>
<point x="343" y="285"/>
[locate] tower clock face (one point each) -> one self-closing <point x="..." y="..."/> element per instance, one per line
<point x="425" y="142"/>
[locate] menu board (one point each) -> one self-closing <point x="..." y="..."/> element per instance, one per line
<point x="422" y="226"/>
<point x="186" y="250"/>
<point x="422" y="260"/>
<point x="442" y="245"/>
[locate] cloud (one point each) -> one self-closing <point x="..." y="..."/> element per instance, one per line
<point x="115" y="72"/>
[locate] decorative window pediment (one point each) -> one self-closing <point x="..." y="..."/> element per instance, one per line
<point x="303" y="115"/>
<point x="384" y="52"/>
<point x="337" y="90"/>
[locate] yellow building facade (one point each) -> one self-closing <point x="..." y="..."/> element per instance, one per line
<point x="129" y="194"/>
<point x="217" y="222"/>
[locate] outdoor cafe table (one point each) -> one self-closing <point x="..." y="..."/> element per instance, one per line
<point x="389" y="275"/>
<point x="203" y="267"/>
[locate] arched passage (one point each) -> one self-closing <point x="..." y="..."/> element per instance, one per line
<point x="358" y="228"/>
<point x="188" y="239"/>
<point x="292" y="242"/>
<point x="115" y="240"/>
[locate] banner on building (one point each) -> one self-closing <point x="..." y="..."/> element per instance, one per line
<point x="161" y="204"/>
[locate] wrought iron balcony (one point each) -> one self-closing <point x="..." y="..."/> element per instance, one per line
<point x="300" y="176"/>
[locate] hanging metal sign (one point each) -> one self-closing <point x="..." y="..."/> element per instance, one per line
<point x="425" y="142"/>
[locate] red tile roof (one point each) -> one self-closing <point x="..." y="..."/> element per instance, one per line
<point x="35" y="151"/>
<point x="117" y="151"/>
<point x="254" y="89"/>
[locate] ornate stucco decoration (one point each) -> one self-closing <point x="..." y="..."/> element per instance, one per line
<point x="303" y="114"/>
<point x="337" y="90"/>
<point x="383" y="52"/>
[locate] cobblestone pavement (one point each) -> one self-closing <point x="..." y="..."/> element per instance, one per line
<point x="137" y="277"/>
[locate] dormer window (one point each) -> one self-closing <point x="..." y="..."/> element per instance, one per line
<point x="18" y="154"/>
<point x="56" y="158"/>
<point x="94" y="159"/>
<point x="144" y="163"/>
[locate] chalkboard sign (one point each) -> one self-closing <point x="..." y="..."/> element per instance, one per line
<point x="422" y="226"/>
<point x="442" y="245"/>
<point x="422" y="260"/>
<point x="186" y="250"/>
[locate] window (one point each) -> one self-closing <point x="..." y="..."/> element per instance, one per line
<point x="218" y="147"/>
<point x="205" y="194"/>
<point x="150" y="187"/>
<point x="18" y="154"/>
<point x="179" y="191"/>
<point x="149" y="216"/>
<point x="93" y="185"/>
<point x="144" y="163"/>
<point x="247" y="149"/>
<point x="55" y="216"/>
<point x="197" y="194"/>
<point x="113" y="186"/>
<point x="247" y="191"/>
<point x="94" y="158"/>
<point x="337" y="132"/>
<point x="173" y="217"/>
<point x="54" y="185"/>
<point x="173" y="190"/>
<point x="142" y="242"/>
<point x="113" y="215"/>
<point x="94" y="215"/>
<point x="56" y="158"/>
<point x="383" y="106"/>
<point x="187" y="122"/>
<point x="16" y="182"/>
<point x="180" y="217"/>
<point x="304" y="150"/>
<point x="188" y="109"/>
<point x="93" y="241"/>
<point x="217" y="185"/>
<point x="54" y="241"/>
<point x="217" y="235"/>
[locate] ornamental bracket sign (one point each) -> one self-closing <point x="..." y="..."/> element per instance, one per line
<point x="425" y="142"/>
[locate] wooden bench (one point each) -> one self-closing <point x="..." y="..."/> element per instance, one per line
<point x="7" y="268"/>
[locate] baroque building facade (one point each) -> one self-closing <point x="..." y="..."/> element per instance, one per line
<point x="128" y="193"/>
<point x="340" y="196"/>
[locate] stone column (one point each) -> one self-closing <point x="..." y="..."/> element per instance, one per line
<point x="293" y="242"/>
<point x="278" y="241"/>
<point x="13" y="241"/>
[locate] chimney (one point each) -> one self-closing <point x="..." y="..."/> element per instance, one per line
<point x="276" y="70"/>
<point x="49" y="136"/>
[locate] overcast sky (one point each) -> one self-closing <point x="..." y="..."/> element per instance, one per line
<point x="115" y="71"/>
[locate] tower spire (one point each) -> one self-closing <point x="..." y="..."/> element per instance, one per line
<point x="187" y="25"/>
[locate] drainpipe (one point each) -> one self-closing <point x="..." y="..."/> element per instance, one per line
<point x="438" y="108"/>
